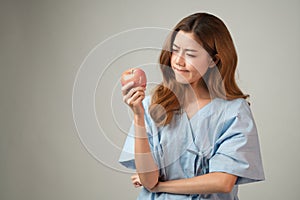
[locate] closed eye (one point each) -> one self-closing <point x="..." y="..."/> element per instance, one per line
<point x="190" y="55"/>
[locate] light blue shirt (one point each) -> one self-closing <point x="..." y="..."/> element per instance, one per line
<point x="220" y="137"/>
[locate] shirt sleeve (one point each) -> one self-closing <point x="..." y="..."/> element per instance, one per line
<point x="127" y="154"/>
<point x="237" y="148"/>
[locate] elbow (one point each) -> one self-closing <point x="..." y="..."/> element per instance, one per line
<point x="149" y="185"/>
<point x="226" y="182"/>
<point x="149" y="180"/>
<point x="226" y="186"/>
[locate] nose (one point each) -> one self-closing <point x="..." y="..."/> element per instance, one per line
<point x="180" y="60"/>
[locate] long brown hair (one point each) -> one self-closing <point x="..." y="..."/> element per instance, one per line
<point x="215" y="38"/>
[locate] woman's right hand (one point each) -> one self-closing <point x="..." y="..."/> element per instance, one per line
<point x="133" y="97"/>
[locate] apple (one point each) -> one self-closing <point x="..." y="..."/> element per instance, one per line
<point x="136" y="75"/>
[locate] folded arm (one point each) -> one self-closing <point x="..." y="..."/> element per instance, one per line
<point x="216" y="182"/>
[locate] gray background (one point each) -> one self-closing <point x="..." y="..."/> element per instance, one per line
<point x="42" y="46"/>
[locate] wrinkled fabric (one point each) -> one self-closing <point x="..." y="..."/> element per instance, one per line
<point x="220" y="137"/>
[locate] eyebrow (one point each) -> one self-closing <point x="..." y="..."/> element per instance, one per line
<point x="192" y="50"/>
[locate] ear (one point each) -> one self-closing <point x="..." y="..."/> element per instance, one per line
<point x="214" y="61"/>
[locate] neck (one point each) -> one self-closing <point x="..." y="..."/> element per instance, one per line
<point x="196" y="97"/>
<point x="197" y="91"/>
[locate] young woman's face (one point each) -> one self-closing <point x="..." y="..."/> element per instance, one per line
<point x="189" y="59"/>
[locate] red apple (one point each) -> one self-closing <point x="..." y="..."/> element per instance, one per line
<point x="136" y="75"/>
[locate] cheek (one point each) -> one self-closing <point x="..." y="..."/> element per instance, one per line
<point x="198" y="66"/>
<point x="172" y="59"/>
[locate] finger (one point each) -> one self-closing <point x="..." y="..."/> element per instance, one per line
<point x="127" y="96"/>
<point x="137" y="185"/>
<point x="133" y="177"/>
<point x="140" y="88"/>
<point x="131" y="92"/>
<point x="127" y="87"/>
<point x="132" y="95"/>
<point x="135" y="89"/>
<point x="136" y="98"/>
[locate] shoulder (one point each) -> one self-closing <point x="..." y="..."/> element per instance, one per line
<point x="235" y="116"/>
<point x="232" y="107"/>
<point x="235" y="103"/>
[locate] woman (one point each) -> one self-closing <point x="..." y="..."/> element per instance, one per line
<point x="194" y="137"/>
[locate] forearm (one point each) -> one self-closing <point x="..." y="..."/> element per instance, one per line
<point x="145" y="164"/>
<point x="205" y="184"/>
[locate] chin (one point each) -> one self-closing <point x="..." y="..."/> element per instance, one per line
<point x="182" y="81"/>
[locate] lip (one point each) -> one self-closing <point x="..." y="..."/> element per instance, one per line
<point x="180" y="70"/>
